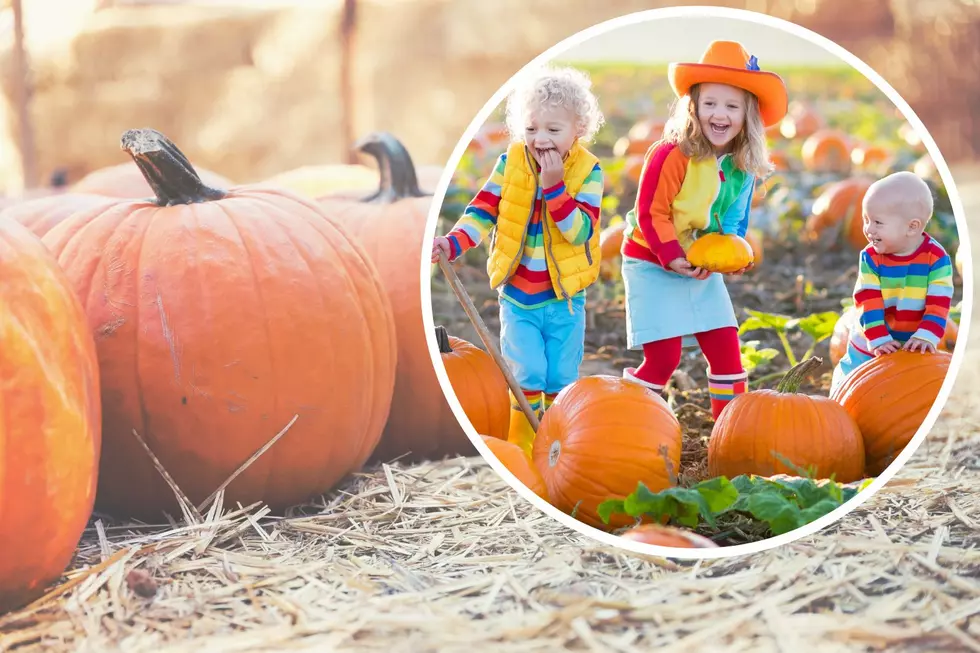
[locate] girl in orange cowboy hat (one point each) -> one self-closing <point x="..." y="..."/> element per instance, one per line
<point x="697" y="179"/>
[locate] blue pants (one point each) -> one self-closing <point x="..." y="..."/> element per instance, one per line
<point x="544" y="346"/>
<point x="849" y="362"/>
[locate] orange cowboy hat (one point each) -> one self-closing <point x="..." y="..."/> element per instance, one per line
<point x="727" y="62"/>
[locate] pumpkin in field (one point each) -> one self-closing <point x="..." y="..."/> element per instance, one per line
<point x="800" y="121"/>
<point x="869" y="157"/>
<point x="826" y="150"/>
<point x="50" y="431"/>
<point x="517" y="463"/>
<point x="763" y="432"/>
<point x="841" y="334"/>
<point x="720" y="252"/>
<point x="478" y="384"/>
<point x="601" y="437"/>
<point x="219" y="316"/>
<point x="660" y="535"/>
<point x="390" y="225"/>
<point x="126" y="180"/>
<point x="837" y="213"/>
<point x="640" y="137"/>
<point x="889" y="398"/>
<point x="353" y="181"/>
<point x="754" y="238"/>
<point x="41" y="214"/>
<point x="610" y="242"/>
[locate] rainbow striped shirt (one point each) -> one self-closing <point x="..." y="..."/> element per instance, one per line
<point x="577" y="218"/>
<point x="902" y="297"/>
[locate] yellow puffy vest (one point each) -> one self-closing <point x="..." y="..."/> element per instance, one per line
<point x="572" y="268"/>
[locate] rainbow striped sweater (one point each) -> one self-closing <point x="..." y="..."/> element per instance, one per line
<point x="680" y="197"/>
<point x="902" y="297"/>
<point x="577" y="218"/>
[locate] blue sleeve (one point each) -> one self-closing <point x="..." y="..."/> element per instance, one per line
<point x="736" y="218"/>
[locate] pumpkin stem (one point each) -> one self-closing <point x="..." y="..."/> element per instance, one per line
<point x="794" y="377"/>
<point x="398" y="179"/>
<point x="166" y="169"/>
<point x="442" y="338"/>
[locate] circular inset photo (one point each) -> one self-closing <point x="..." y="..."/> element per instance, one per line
<point x="719" y="268"/>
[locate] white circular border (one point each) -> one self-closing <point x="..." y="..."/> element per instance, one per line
<point x="962" y="233"/>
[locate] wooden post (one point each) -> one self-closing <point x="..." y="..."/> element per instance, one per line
<point x="22" y="93"/>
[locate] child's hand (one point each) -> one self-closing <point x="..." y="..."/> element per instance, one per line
<point x="917" y="344"/>
<point x="552" y="168"/>
<point x="440" y="244"/>
<point x="887" y="348"/>
<point x="738" y="273"/>
<point x="683" y="266"/>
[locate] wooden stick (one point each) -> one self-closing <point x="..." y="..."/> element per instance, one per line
<point x="22" y="94"/>
<point x="484" y="333"/>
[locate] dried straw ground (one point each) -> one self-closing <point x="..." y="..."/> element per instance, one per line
<point x="445" y="557"/>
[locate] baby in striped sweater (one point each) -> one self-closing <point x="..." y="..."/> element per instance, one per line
<point x="905" y="278"/>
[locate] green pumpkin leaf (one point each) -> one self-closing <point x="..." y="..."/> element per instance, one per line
<point x="819" y="326"/>
<point x="759" y="320"/>
<point x="610" y="507"/>
<point x="780" y="513"/>
<point x="818" y="510"/>
<point x="718" y="493"/>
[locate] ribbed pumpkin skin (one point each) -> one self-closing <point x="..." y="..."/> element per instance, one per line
<point x="216" y="322"/>
<point x="50" y="418"/>
<point x="391" y="229"/>
<point x="480" y="387"/>
<point x="125" y="181"/>
<point x="42" y="214"/>
<point x="513" y="458"/>
<point x="806" y="430"/>
<point x="659" y="535"/>
<point x="889" y="398"/>
<point x="601" y="437"/>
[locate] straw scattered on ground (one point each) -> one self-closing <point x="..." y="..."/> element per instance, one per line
<point x="447" y="557"/>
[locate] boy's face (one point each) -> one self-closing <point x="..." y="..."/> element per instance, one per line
<point x="888" y="230"/>
<point x="721" y="113"/>
<point x="549" y="128"/>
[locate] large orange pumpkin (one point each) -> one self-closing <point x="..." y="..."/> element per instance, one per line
<point x="126" y="180"/>
<point x="889" y="398"/>
<point x="219" y="315"/>
<point x="837" y="214"/>
<point x="669" y="536"/>
<point x="759" y="429"/>
<point x="50" y="418"/>
<point x="601" y="437"/>
<point x="640" y="137"/>
<point x="41" y="214"/>
<point x="390" y="225"/>
<point x="478" y="384"/>
<point x="518" y="463"/>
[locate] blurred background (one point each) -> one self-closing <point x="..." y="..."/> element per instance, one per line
<point x="250" y="89"/>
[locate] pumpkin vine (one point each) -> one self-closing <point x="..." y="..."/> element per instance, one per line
<point x="442" y="339"/>
<point x="794" y="378"/>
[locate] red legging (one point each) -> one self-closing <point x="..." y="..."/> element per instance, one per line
<point x="721" y="349"/>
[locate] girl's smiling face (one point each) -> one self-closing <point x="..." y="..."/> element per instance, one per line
<point x="721" y="114"/>
<point x="549" y="128"/>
